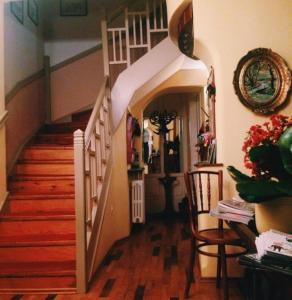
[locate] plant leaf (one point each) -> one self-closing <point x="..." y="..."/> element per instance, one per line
<point x="237" y="175"/>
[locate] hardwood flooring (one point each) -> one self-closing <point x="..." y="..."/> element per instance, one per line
<point x="149" y="265"/>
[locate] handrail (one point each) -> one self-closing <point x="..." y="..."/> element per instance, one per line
<point x="92" y="163"/>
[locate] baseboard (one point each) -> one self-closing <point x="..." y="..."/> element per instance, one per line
<point x="20" y="149"/>
<point x="2" y="201"/>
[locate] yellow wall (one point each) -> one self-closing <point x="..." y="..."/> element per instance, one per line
<point x="221" y="40"/>
<point x="225" y="31"/>
<point x="3" y="191"/>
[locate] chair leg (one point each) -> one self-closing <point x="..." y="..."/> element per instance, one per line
<point x="218" y="278"/>
<point x="224" y="271"/>
<point x="190" y="270"/>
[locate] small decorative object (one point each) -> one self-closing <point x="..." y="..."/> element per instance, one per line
<point x="262" y="80"/>
<point x="73" y="8"/>
<point x="16" y="8"/>
<point x="33" y="11"/>
<point x="268" y="153"/>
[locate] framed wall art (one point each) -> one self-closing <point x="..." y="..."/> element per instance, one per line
<point x="33" y="11"/>
<point x="73" y="8"/>
<point x="262" y="80"/>
<point x="16" y="8"/>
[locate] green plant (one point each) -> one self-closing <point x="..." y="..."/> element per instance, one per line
<point x="268" y="153"/>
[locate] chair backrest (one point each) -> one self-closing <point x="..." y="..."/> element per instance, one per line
<point x="199" y="186"/>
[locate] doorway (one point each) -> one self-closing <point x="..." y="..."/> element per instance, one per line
<point x="170" y="126"/>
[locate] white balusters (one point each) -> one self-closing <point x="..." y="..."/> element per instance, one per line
<point x="139" y="25"/>
<point x="117" y="36"/>
<point x="91" y="155"/>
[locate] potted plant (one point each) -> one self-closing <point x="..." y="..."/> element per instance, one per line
<point x="268" y="154"/>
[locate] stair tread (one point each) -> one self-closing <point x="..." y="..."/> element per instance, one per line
<point x="16" y="197"/>
<point x="35" y="217"/>
<point x="48" y="147"/>
<point x="36" y="285"/>
<point x="45" y="162"/>
<point x="41" y="177"/>
<point x="38" y="240"/>
<point x="32" y="268"/>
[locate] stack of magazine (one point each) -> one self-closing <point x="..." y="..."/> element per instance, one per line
<point x="274" y="252"/>
<point x="235" y="209"/>
<point x="275" y="247"/>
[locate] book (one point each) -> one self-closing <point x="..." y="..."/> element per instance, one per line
<point x="275" y="244"/>
<point x="237" y="207"/>
<point x="215" y="212"/>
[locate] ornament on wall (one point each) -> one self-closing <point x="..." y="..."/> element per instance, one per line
<point x="185" y="32"/>
<point x="262" y="80"/>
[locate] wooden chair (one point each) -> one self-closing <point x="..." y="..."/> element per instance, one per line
<point x="219" y="236"/>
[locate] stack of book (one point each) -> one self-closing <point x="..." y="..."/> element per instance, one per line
<point x="275" y="248"/>
<point x="234" y="210"/>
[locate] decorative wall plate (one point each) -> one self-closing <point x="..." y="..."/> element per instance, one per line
<point x="262" y="80"/>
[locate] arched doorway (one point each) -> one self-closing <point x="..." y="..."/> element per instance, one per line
<point x="173" y="152"/>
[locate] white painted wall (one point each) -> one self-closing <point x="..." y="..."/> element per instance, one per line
<point x="3" y="191"/>
<point x="23" y="47"/>
<point x="66" y="37"/>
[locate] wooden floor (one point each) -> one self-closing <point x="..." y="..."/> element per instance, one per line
<point x="148" y="265"/>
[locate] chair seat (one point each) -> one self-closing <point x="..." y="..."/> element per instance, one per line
<point x="214" y="236"/>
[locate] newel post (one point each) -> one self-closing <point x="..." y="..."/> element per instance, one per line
<point x="80" y="208"/>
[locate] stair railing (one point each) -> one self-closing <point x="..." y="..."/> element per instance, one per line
<point x="92" y="158"/>
<point x="137" y="32"/>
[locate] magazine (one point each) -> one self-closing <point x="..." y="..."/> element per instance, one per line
<point x="215" y="212"/>
<point x="275" y="244"/>
<point x="236" y="207"/>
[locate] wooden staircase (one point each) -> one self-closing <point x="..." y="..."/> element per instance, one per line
<point x="37" y="224"/>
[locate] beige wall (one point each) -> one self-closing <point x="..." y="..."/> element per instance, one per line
<point x="76" y="85"/>
<point x="261" y="23"/>
<point x="26" y="113"/>
<point x="224" y="32"/>
<point x="3" y="191"/>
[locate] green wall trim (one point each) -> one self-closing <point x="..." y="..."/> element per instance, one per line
<point x="28" y="80"/>
<point x="76" y="57"/>
<point x="22" y="83"/>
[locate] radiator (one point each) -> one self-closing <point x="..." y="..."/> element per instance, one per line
<point x="138" y="201"/>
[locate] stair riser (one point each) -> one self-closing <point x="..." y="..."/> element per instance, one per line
<point x="41" y="206"/>
<point x="45" y="154"/>
<point x="42" y="187"/>
<point x="19" y="228"/>
<point x="44" y="169"/>
<point x="59" y="128"/>
<point x="35" y="254"/>
<point x="54" y="139"/>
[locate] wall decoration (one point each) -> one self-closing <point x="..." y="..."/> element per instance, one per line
<point x="73" y="8"/>
<point x="16" y="8"/>
<point x="185" y="32"/>
<point x="262" y="80"/>
<point x="33" y="11"/>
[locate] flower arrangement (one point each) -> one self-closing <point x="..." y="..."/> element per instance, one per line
<point x="268" y="154"/>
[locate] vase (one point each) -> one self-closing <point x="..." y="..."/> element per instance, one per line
<point x="274" y="214"/>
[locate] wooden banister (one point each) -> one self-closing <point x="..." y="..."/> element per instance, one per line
<point x="92" y="158"/>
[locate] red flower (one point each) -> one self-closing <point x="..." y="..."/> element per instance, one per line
<point x="268" y="133"/>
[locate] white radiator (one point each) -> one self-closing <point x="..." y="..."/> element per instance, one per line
<point x="138" y="201"/>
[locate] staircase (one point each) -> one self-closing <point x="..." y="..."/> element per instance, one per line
<point x="37" y="224"/>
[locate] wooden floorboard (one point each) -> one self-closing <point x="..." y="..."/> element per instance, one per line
<point x="149" y="265"/>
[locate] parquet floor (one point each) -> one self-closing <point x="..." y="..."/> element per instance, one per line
<point x="149" y="265"/>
